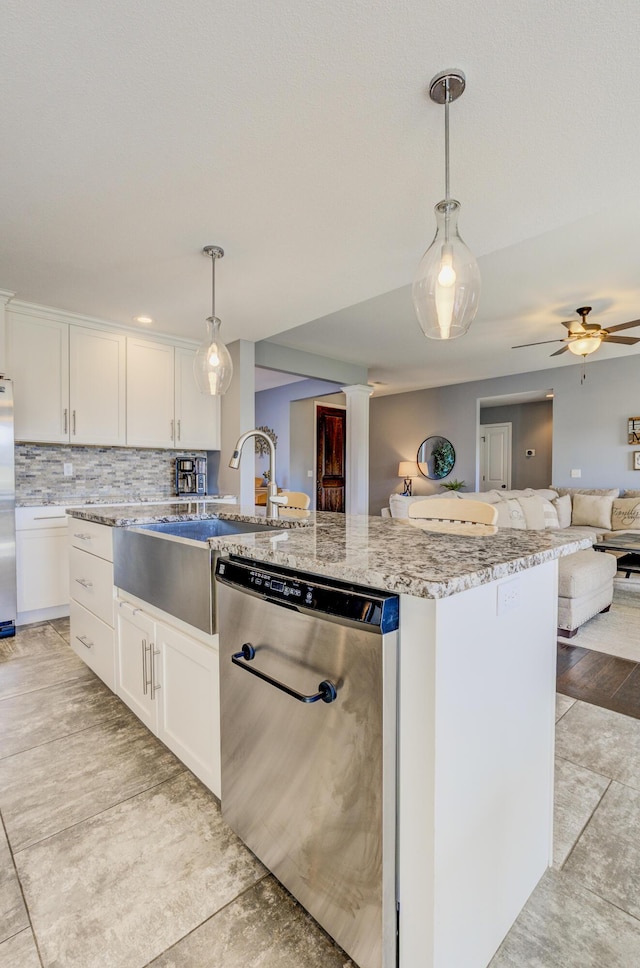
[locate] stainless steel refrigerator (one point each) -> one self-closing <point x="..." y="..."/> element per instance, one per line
<point x="8" y="603"/>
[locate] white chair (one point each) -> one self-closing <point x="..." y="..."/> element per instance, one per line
<point x="451" y="516"/>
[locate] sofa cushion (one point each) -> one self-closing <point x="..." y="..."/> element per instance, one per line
<point x="399" y="503"/>
<point x="563" y="509"/>
<point x="511" y="514"/>
<point x="630" y="494"/>
<point x="625" y="514"/>
<point x="487" y="497"/>
<point x="591" y="509"/>
<point x="584" y="572"/>
<point x="602" y="491"/>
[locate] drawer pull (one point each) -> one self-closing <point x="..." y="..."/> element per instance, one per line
<point x="134" y="610"/>
<point x="84" y="582"/>
<point x="83" y="639"/>
<point x="83" y="537"/>
<point x="49" y="517"/>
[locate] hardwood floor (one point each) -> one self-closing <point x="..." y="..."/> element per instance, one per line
<point x="603" y="680"/>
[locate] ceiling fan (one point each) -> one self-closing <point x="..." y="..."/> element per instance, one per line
<point x="585" y="338"/>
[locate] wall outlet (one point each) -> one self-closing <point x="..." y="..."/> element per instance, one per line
<point x="67" y="470"/>
<point x="576" y="472"/>
<point x="508" y="596"/>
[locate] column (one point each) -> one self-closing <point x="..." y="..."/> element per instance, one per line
<point x="5" y="297"/>
<point x="357" y="483"/>
<point x="237" y="414"/>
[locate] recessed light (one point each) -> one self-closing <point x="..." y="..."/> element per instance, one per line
<point x="143" y="319"/>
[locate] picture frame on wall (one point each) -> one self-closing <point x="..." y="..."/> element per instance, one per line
<point x="633" y="432"/>
<point x="636" y="460"/>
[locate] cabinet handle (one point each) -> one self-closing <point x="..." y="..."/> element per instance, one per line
<point x="171" y="430"/>
<point x="84" y="582"/>
<point x="73" y="417"/>
<point x="83" y="537"/>
<point x="145" y="681"/>
<point x="154" y="685"/>
<point x="178" y="430"/>
<point x="65" y="416"/>
<point x="134" y="610"/>
<point x="83" y="639"/>
<point x="49" y="517"/>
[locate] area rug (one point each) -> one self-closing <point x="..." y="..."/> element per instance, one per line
<point x="616" y="632"/>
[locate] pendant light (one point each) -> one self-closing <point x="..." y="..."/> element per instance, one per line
<point x="212" y="366"/>
<point x="446" y="288"/>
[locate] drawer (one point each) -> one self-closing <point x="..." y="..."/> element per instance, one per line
<point x="94" y="642"/>
<point x="91" y="583"/>
<point x="35" y="518"/>
<point x="95" y="538"/>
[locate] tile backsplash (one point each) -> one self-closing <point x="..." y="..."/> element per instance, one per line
<point x="100" y="474"/>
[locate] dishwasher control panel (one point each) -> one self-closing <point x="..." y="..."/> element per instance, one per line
<point x="311" y="592"/>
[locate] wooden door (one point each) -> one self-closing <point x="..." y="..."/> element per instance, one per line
<point x="330" y="461"/>
<point x="495" y="456"/>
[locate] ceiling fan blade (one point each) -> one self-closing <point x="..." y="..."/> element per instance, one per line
<point x="541" y="343"/>
<point x="558" y="352"/>
<point x="626" y="340"/>
<point x="616" y="329"/>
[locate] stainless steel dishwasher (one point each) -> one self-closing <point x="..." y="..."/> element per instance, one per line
<point x="308" y="671"/>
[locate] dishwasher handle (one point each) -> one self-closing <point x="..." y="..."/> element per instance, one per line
<point x="326" y="690"/>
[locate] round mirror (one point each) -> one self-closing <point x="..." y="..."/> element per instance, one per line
<point x="436" y="458"/>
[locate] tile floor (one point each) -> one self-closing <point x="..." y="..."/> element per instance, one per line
<point x="112" y="855"/>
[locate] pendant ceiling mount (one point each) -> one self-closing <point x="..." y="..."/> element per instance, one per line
<point x="447" y="86"/>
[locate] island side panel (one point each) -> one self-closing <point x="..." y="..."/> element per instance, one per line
<point x="485" y="733"/>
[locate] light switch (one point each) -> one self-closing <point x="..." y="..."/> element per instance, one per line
<point x="309" y="473"/>
<point x="576" y="472"/>
<point x="68" y="470"/>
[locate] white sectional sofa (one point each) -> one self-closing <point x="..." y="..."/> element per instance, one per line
<point x="585" y="584"/>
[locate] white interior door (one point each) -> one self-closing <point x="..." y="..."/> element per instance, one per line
<point x="495" y="456"/>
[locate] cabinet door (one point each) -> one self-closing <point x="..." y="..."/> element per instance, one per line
<point x="42" y="569"/>
<point x="189" y="698"/>
<point x="97" y="386"/>
<point x="150" y="378"/>
<point x="135" y="644"/>
<point x="197" y="414"/>
<point x="38" y="363"/>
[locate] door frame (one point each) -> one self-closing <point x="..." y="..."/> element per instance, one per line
<point x="326" y="406"/>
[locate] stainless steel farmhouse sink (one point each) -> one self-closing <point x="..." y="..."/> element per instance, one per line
<point x="170" y="565"/>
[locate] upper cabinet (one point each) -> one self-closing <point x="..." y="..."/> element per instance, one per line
<point x="164" y="406"/>
<point x="93" y="385"/>
<point x="197" y="415"/>
<point x="69" y="381"/>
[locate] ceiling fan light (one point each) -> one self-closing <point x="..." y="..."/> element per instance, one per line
<point x="585" y="346"/>
<point x="446" y="288"/>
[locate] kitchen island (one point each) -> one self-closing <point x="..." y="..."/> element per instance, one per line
<point x="476" y="689"/>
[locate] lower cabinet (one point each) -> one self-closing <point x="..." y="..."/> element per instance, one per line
<point x="41" y="563"/>
<point x="170" y="680"/>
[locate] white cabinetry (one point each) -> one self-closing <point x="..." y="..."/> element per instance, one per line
<point x="69" y="381"/>
<point x="197" y="424"/>
<point x="169" y="679"/>
<point x="41" y="563"/>
<point x="164" y="406"/>
<point x="150" y="403"/>
<point x="91" y="584"/>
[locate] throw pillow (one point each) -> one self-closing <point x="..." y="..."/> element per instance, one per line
<point x="592" y="510"/>
<point x="625" y="515"/>
<point x="533" y="508"/>
<point x="630" y="494"/>
<point x="551" y="519"/>
<point x="563" y="507"/>
<point x="511" y="515"/>
<point x="602" y="491"/>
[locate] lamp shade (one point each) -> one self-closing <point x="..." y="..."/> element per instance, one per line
<point x="585" y="346"/>
<point x="408" y="468"/>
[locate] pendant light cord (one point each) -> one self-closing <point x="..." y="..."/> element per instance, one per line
<point x="213" y="284"/>
<point x="446" y="139"/>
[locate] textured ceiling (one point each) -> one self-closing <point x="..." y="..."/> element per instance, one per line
<point x="299" y="137"/>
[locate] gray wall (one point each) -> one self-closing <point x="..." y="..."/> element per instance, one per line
<point x="303" y="442"/>
<point x="273" y="410"/>
<point x="531" y="429"/>
<point x="589" y="425"/>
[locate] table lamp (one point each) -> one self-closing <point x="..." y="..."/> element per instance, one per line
<point x="407" y="469"/>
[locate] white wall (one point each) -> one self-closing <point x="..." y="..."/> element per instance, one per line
<point x="531" y="428"/>
<point x="589" y="425"/>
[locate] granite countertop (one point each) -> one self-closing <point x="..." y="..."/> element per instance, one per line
<point x="381" y="553"/>
<point x="115" y="500"/>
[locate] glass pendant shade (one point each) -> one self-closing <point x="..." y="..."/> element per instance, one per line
<point x="446" y="289"/>
<point x="585" y="346"/>
<point x="212" y="366"/>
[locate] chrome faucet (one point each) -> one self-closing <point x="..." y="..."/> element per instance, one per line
<point x="273" y="500"/>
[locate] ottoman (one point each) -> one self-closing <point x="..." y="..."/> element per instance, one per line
<point x="585" y="587"/>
